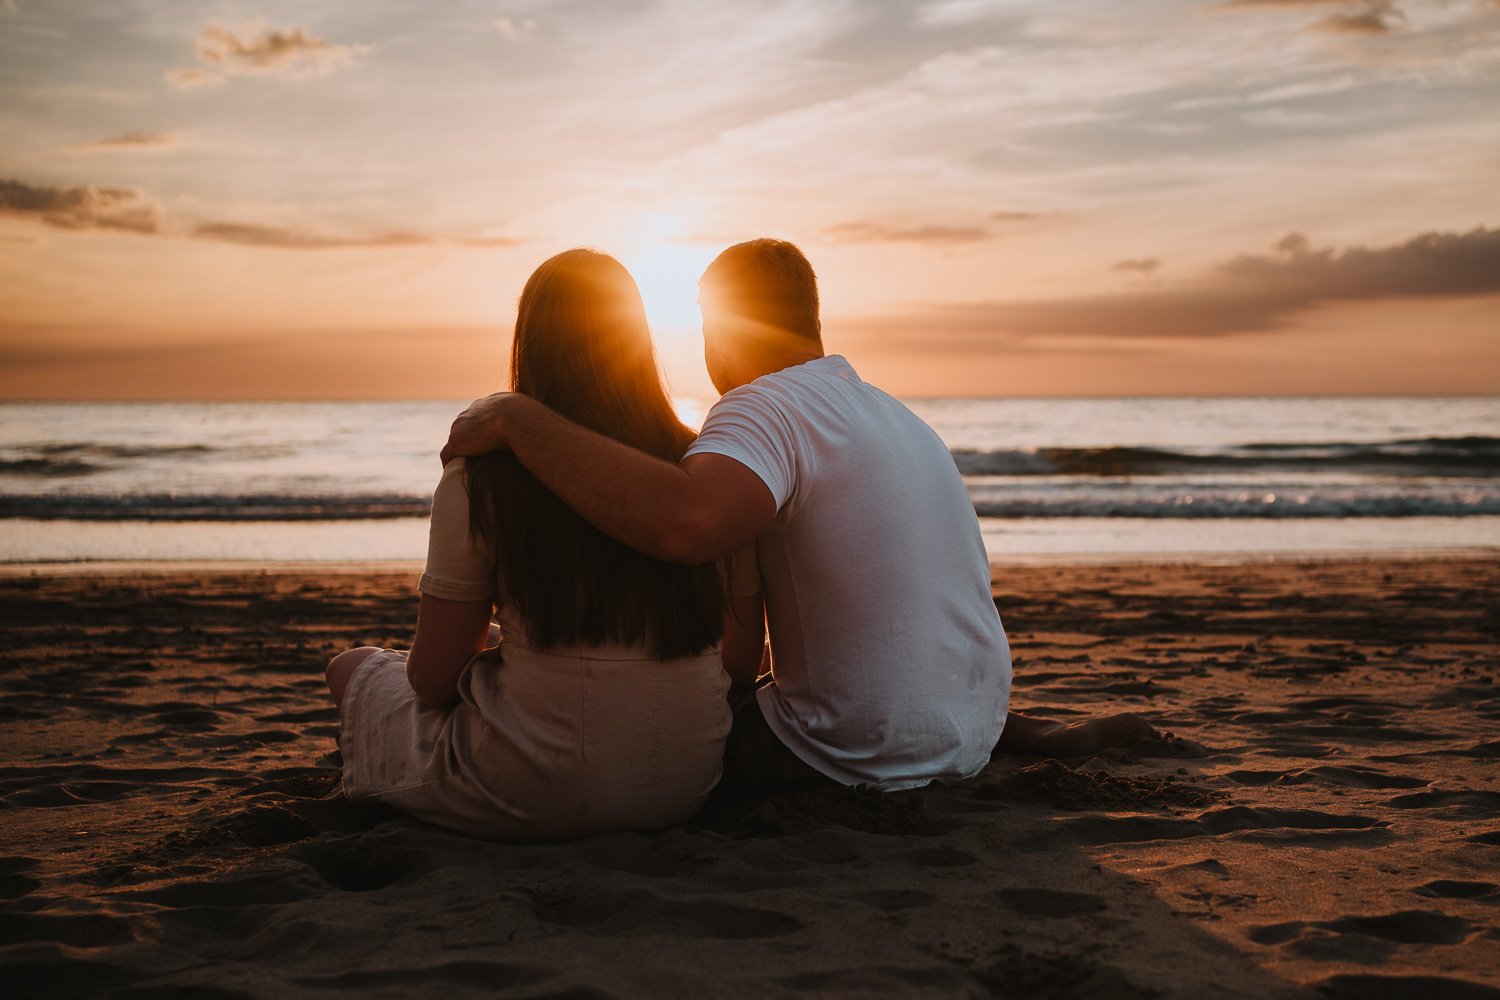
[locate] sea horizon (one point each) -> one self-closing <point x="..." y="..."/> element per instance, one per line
<point x="1062" y="477"/>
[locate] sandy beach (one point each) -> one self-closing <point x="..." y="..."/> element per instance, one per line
<point x="1326" y="818"/>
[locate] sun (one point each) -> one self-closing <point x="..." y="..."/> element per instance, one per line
<point x="667" y="269"/>
<point x="667" y="273"/>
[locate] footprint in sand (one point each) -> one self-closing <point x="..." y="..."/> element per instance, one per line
<point x="891" y="900"/>
<point x="1244" y="822"/>
<point x="1461" y="804"/>
<point x="1406" y="927"/>
<point x="1450" y="889"/>
<point x="940" y="857"/>
<point x="13" y="882"/>
<point x="192" y="719"/>
<point x="1369" y="987"/>
<point x="641" y="912"/>
<point x="76" y="930"/>
<point x="360" y="864"/>
<point x="477" y="975"/>
<point x="1051" y="903"/>
<point x="873" y="980"/>
<point x="289" y="885"/>
<point x="1350" y="777"/>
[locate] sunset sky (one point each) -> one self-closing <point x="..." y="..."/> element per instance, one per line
<point x="1075" y="197"/>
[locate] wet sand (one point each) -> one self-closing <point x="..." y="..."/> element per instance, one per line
<point x="170" y="823"/>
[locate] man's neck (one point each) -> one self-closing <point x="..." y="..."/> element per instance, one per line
<point x="782" y="360"/>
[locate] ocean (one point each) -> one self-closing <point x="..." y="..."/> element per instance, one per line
<point x="1071" y="479"/>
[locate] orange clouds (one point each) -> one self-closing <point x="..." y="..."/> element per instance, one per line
<point x="256" y="48"/>
<point x="130" y="209"/>
<point x="1252" y="293"/>
<point x="86" y="207"/>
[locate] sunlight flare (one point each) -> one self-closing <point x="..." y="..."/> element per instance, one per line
<point x="667" y="273"/>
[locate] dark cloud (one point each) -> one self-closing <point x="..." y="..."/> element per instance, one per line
<point x="1366" y="22"/>
<point x="1354" y="17"/>
<point x="130" y="209"/>
<point x="1014" y="216"/>
<point x="85" y="207"/>
<point x="875" y="232"/>
<point x="1252" y="293"/>
<point x="295" y="239"/>
<point x="1142" y="265"/>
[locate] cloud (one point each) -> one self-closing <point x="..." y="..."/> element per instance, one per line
<point x="1374" y="20"/>
<point x="255" y="48"/>
<point x="1357" y="17"/>
<point x="488" y="241"/>
<point x="1015" y="216"/>
<point x="192" y="78"/>
<point x="251" y="234"/>
<point x="1252" y="293"/>
<point x="1141" y="265"/>
<point x="952" y="13"/>
<point x="1291" y="118"/>
<point x="1305" y="88"/>
<point x="87" y="207"/>
<point x="514" y="28"/>
<point x="128" y="141"/>
<point x="130" y="209"/>
<point x="874" y="232"/>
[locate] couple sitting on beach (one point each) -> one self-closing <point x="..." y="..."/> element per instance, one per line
<point x="636" y="572"/>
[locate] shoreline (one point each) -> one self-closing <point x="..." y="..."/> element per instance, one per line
<point x="394" y="567"/>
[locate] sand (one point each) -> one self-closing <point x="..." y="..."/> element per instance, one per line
<point x="171" y="824"/>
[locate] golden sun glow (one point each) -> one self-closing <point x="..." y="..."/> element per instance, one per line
<point x="667" y="274"/>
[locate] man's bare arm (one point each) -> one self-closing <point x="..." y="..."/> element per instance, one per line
<point x="706" y="507"/>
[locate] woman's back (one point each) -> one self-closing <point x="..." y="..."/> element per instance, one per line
<point x="571" y="583"/>
<point x="604" y="705"/>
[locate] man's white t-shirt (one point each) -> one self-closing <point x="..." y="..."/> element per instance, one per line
<point x="889" y="663"/>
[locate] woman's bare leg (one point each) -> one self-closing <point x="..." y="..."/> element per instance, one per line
<point x="342" y="667"/>
<point x="1030" y="736"/>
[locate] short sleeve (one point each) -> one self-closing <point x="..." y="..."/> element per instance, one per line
<point x="748" y="427"/>
<point x="459" y="568"/>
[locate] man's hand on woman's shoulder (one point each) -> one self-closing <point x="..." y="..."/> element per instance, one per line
<point x="482" y="427"/>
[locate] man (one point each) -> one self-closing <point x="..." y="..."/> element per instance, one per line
<point x="888" y="663"/>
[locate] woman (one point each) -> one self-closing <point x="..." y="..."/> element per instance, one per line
<point x="603" y="705"/>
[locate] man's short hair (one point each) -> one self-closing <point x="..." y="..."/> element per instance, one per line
<point x="768" y="282"/>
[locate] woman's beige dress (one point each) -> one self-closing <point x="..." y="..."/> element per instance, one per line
<point x="543" y="744"/>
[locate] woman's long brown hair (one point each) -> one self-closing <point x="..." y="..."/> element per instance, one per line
<point x="583" y="347"/>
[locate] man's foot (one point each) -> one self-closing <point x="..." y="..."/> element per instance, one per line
<point x="1044" y="738"/>
<point x="1082" y="739"/>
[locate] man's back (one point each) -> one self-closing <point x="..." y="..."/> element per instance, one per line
<point x="890" y="664"/>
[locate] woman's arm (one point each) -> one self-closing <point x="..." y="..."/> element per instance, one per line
<point x="744" y="619"/>
<point x="744" y="639"/>
<point x="449" y="633"/>
<point x="452" y="627"/>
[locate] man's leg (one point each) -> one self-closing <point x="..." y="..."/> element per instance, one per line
<point x="1030" y="736"/>
<point x="755" y="758"/>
